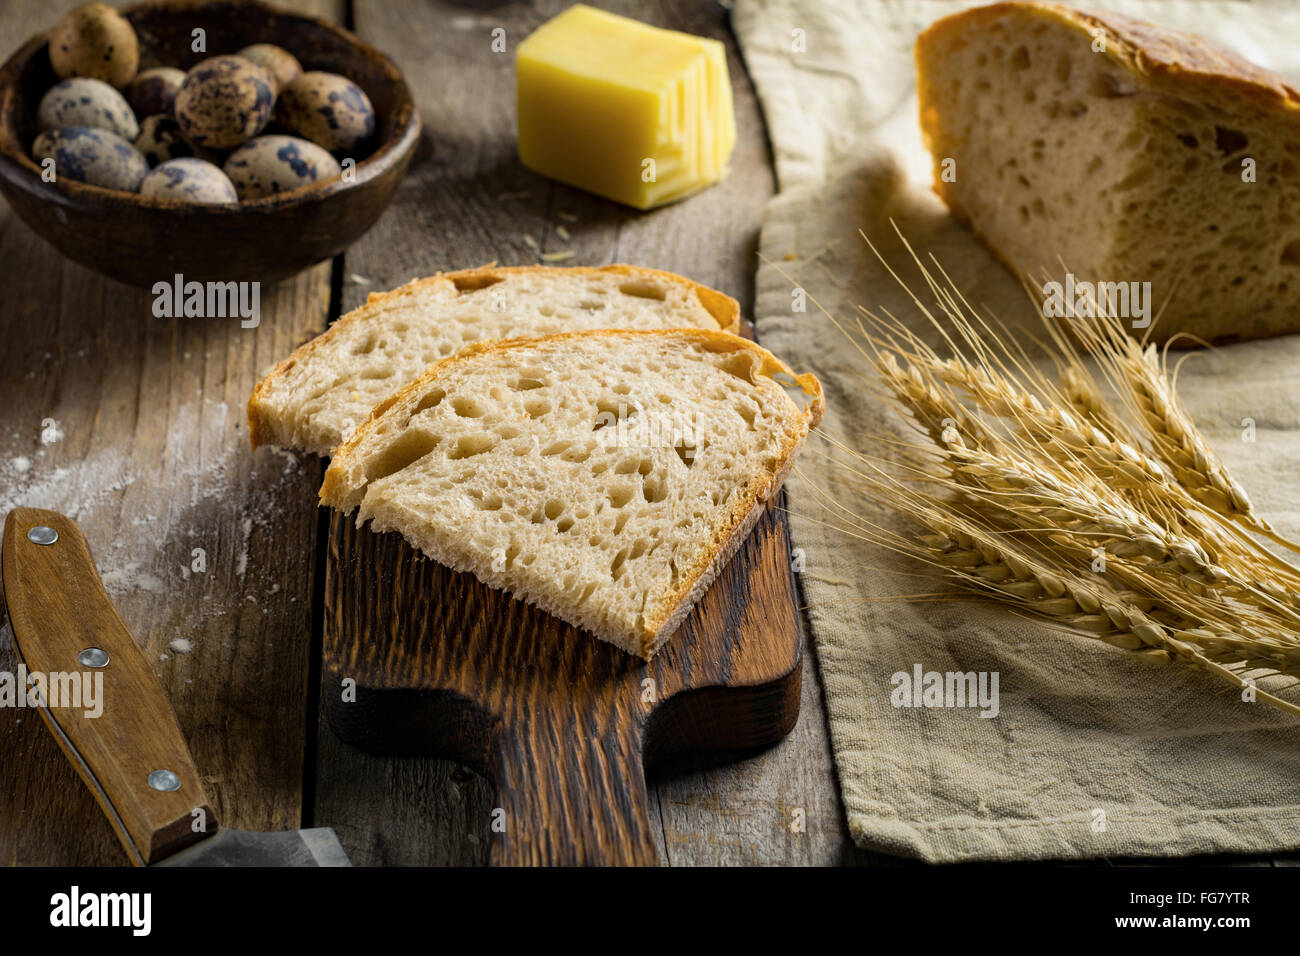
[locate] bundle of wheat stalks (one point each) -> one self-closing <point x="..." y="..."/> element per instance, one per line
<point x="1113" y="517"/>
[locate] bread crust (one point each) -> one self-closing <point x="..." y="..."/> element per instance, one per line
<point x="723" y="554"/>
<point x="1172" y="61"/>
<point x="724" y="309"/>
<point x="695" y="580"/>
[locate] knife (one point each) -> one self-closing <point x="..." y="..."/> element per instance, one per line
<point x="132" y="756"/>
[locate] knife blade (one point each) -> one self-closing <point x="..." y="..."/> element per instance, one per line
<point x="132" y="755"/>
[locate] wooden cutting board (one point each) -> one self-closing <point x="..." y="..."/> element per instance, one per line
<point x="565" y="725"/>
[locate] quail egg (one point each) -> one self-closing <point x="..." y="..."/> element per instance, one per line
<point x="276" y="164"/>
<point x="225" y="101"/>
<point x="154" y="91"/>
<point x="328" y="109"/>
<point x="95" y="40"/>
<point x="189" y="180"/>
<point x="82" y="101"/>
<point x="284" y="66"/>
<point x="91" y="155"/>
<point x="160" y="139"/>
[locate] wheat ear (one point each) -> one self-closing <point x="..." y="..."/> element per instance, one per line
<point x="1081" y="393"/>
<point x="1138" y="373"/>
<point x="943" y="419"/>
<point x="1127" y="531"/>
<point x="1104" y="456"/>
<point x="989" y="563"/>
<point x="1078" y="520"/>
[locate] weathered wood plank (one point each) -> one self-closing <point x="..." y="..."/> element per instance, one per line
<point x="152" y="460"/>
<point x="468" y="201"/>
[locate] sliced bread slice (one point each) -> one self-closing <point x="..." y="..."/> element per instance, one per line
<point x="605" y="477"/>
<point x="1131" y="153"/>
<point x="315" y="398"/>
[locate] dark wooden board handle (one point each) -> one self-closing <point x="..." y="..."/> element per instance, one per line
<point x="427" y="660"/>
<point x="571" y="791"/>
<point x="58" y="608"/>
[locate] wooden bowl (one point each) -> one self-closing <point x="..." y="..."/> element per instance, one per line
<point x="143" y="240"/>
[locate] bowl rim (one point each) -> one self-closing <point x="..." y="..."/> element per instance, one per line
<point x="406" y="128"/>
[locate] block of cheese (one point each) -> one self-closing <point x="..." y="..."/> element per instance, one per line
<point x="622" y="109"/>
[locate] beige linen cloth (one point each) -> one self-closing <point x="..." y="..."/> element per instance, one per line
<point x="1094" y="752"/>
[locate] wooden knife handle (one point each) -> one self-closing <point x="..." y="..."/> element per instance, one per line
<point x="58" y="608"/>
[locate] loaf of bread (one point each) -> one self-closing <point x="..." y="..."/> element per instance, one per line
<point x="315" y="398"/>
<point x="605" y="477"/>
<point x="1128" y="153"/>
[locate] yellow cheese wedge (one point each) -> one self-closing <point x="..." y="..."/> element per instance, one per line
<point x="625" y="110"/>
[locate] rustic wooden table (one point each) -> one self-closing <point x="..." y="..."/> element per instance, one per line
<point x="135" y="426"/>
<point x="154" y="463"/>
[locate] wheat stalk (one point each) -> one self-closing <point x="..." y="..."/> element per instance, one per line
<point x="941" y="417"/>
<point x="1140" y="375"/>
<point x="1082" y="524"/>
<point x="1200" y="470"/>
<point x="1058" y="433"/>
<point x="1001" y="566"/>
<point x="989" y="563"/>
<point x="1055" y="427"/>
<point x="1034" y="476"/>
<point x="1077" y="521"/>
<point x="1081" y="394"/>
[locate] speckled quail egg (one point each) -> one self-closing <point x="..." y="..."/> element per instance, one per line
<point x="328" y="109"/>
<point x="160" y="139"/>
<point x="189" y="180"/>
<point x="282" y="64"/>
<point x="225" y="101"/>
<point x="82" y="101"/>
<point x="276" y="164"/>
<point x="154" y="91"/>
<point x="96" y="41"/>
<point x="93" y="156"/>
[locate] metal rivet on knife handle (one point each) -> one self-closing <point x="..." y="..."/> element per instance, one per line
<point x="93" y="657"/>
<point x="41" y="534"/>
<point x="164" y="780"/>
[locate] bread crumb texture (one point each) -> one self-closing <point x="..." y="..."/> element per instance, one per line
<point x="319" y="395"/>
<point x="1128" y="152"/>
<point x="604" y="476"/>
